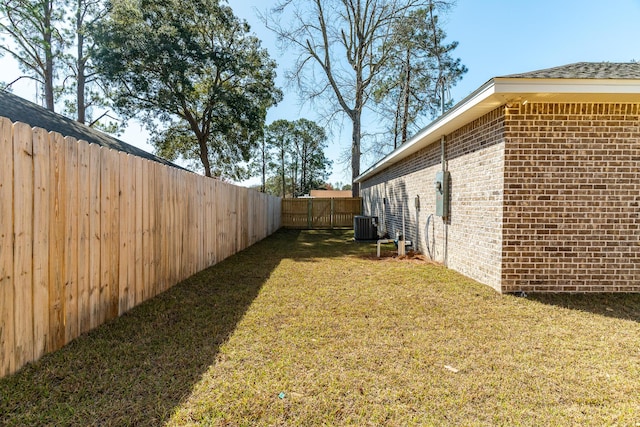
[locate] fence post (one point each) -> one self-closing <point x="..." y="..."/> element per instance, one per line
<point x="309" y="213"/>
<point x="332" y="213"/>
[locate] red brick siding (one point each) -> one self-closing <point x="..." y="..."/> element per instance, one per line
<point x="571" y="196"/>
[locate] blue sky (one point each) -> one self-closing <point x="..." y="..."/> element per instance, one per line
<point x="496" y="37"/>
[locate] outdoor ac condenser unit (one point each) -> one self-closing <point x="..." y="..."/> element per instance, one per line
<point x="365" y="227"/>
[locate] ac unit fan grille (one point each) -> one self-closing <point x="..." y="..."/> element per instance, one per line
<point x="364" y="227"/>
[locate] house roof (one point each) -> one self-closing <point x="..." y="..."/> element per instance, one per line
<point x="18" y="109"/>
<point x="586" y="70"/>
<point x="579" y="82"/>
<point x="331" y="193"/>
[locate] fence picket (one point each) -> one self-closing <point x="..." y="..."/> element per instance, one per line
<point x="41" y="200"/>
<point x="154" y="207"/>
<point x="123" y="232"/>
<point x="71" y="239"/>
<point x="139" y="230"/>
<point x="84" y="237"/>
<point x="7" y="336"/>
<point x="23" y="241"/>
<point x="57" y="208"/>
<point x="114" y="232"/>
<point x="146" y="233"/>
<point x="95" y="233"/>
<point x="167" y="196"/>
<point x="131" y="230"/>
<point x="107" y="200"/>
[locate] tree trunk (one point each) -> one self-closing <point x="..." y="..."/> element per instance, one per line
<point x="81" y="66"/>
<point x="294" y="179"/>
<point x="204" y="156"/>
<point x="264" y="165"/>
<point x="355" y="153"/>
<point x="48" y="55"/>
<point x="396" y="123"/>
<point x="306" y="188"/>
<point x="406" y="95"/>
<point x="284" y="188"/>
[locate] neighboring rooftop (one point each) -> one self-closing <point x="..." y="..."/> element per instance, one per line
<point x="19" y="109"/>
<point x="331" y="193"/>
<point x="579" y="82"/>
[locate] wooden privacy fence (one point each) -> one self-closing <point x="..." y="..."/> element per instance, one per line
<point x="320" y="212"/>
<point x="87" y="233"/>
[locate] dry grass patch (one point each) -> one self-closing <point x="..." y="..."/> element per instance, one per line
<point x="306" y="329"/>
<point x="351" y="340"/>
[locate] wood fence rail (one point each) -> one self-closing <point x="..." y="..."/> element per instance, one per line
<point x="314" y="212"/>
<point x="87" y="233"/>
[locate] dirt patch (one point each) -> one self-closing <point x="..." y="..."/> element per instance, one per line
<point x="390" y="255"/>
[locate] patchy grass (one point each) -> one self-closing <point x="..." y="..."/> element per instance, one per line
<point x="306" y="328"/>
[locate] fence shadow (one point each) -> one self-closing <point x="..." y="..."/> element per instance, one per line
<point x="136" y="369"/>
<point x="619" y="306"/>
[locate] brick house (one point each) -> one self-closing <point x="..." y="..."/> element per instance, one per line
<point x="543" y="182"/>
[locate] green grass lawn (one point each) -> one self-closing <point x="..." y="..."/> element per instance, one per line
<point x="308" y="328"/>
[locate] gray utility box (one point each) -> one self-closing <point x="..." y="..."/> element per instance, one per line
<point x="442" y="193"/>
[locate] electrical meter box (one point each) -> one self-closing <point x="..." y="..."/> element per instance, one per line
<point x="442" y="193"/>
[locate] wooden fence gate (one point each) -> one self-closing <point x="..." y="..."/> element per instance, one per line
<point x="312" y="213"/>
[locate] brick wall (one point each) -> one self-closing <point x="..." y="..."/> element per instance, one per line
<point x="544" y="197"/>
<point x="393" y="192"/>
<point x="571" y="198"/>
<point x="470" y="241"/>
<point x="475" y="156"/>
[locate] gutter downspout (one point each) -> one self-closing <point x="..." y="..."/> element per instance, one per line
<point x="443" y="161"/>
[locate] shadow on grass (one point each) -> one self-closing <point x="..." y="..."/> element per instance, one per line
<point x="619" y="306"/>
<point x="136" y="369"/>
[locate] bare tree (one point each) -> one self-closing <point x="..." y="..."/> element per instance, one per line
<point x="420" y="71"/>
<point x="34" y="26"/>
<point x="346" y="41"/>
<point x="88" y="92"/>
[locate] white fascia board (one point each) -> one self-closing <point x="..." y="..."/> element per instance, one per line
<point x="569" y="86"/>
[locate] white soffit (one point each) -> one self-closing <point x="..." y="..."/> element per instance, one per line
<point x="503" y="90"/>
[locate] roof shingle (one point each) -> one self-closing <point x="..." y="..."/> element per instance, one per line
<point x="18" y="109"/>
<point x="585" y="70"/>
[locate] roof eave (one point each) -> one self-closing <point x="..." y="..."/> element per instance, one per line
<point x="502" y="90"/>
<point x="432" y="131"/>
<point x="567" y="86"/>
